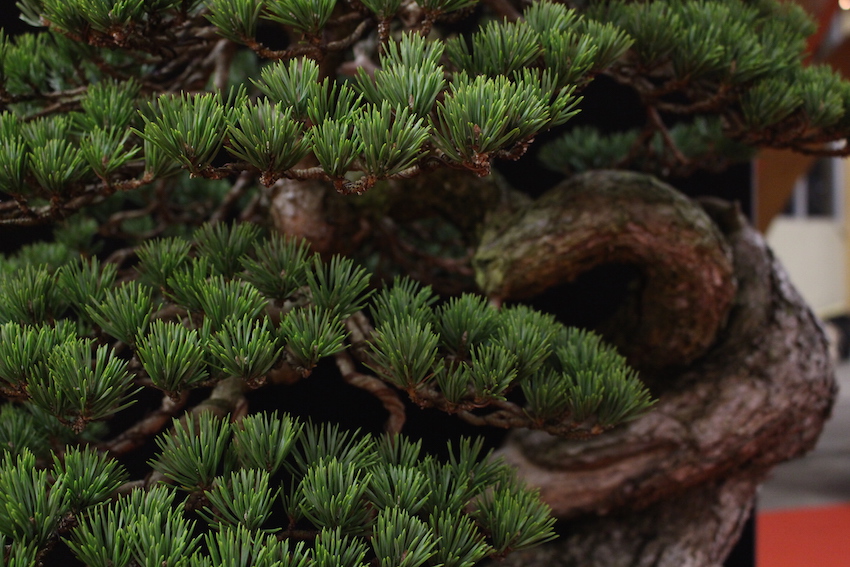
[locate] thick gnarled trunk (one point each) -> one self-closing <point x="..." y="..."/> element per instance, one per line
<point x="737" y="360"/>
<point x="674" y="488"/>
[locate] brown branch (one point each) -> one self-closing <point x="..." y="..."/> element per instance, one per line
<point x="357" y="187"/>
<point x="216" y="173"/>
<point x="359" y="330"/>
<point x="61" y="106"/>
<point x="316" y="51"/>
<point x="709" y="104"/>
<point x="243" y="182"/>
<point x="703" y="100"/>
<point x="638" y="146"/>
<point x="226" y="398"/>
<point x="408" y="173"/>
<point x="252" y="212"/>
<point x="266" y="53"/>
<point x="502" y="419"/>
<point x="120" y="256"/>
<point x="308" y="173"/>
<point x="139" y="433"/>
<point x="6" y="98"/>
<point x="516" y="151"/>
<point x="22" y="221"/>
<point x="57" y="210"/>
<point x="198" y="71"/>
<point x="112" y="224"/>
<point x="428" y="22"/>
<point x="655" y="118"/>
<point x="387" y="395"/>
<point x="507" y="414"/>
<point x="383" y="33"/>
<point x="346" y="42"/>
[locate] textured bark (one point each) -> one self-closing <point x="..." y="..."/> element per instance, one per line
<point x="604" y="217"/>
<point x="299" y="209"/>
<point x="673" y="488"/>
<point x="699" y="531"/>
<point x="424" y="227"/>
<point x="314" y="211"/>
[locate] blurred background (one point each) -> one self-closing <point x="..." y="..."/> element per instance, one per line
<point x="802" y="204"/>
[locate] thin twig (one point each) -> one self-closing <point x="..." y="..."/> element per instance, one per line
<point x="665" y="135"/>
<point x="138" y="434"/>
<point x="120" y="256"/>
<point x="313" y="51"/>
<point x="308" y="173"/>
<point x="638" y="146"/>
<point x="309" y="50"/>
<point x="236" y="191"/>
<point x="58" y="210"/>
<point x="62" y="106"/>
<point x="347" y="41"/>
<point x="113" y="223"/>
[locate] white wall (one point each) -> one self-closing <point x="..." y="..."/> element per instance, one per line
<point x="813" y="252"/>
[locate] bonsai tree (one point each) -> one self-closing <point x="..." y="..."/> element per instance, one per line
<point x="240" y="200"/>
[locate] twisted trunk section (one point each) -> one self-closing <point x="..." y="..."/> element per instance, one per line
<point x="674" y="487"/>
<point x="619" y="217"/>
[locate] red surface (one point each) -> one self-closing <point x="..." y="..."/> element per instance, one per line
<point x="816" y="537"/>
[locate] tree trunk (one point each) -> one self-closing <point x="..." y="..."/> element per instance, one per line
<point x="618" y="217"/>
<point x="674" y="488"/>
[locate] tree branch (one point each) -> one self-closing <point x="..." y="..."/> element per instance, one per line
<point x="138" y="434"/>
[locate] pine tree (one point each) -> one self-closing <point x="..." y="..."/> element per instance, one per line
<point x="245" y="196"/>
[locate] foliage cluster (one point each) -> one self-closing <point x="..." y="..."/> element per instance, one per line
<point x="229" y="311"/>
<point x="73" y="135"/>
<point x="216" y="308"/>
<point x="353" y="498"/>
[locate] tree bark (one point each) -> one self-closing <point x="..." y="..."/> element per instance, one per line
<point x="699" y="531"/>
<point x="674" y="488"/>
<point x="605" y="217"/>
